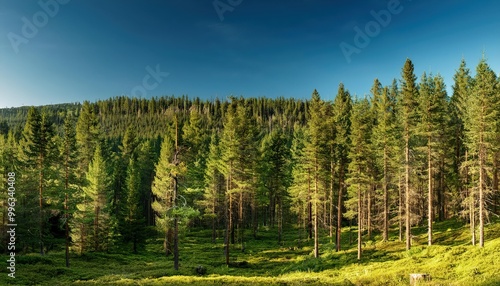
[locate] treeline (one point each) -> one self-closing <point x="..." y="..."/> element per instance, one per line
<point x="109" y="174"/>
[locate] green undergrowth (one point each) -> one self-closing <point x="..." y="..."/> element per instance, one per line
<point x="450" y="261"/>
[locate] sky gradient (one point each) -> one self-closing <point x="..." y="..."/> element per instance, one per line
<point x="93" y="49"/>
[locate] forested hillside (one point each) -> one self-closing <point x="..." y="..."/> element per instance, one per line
<point x="108" y="175"/>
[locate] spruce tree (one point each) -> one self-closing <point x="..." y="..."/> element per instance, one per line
<point x="71" y="179"/>
<point x="359" y="169"/>
<point x="480" y="131"/>
<point x="37" y="149"/>
<point x="432" y="105"/>
<point x="134" y="215"/>
<point x="214" y="186"/>
<point x="162" y="191"/>
<point x="384" y="144"/>
<point x="342" y="106"/>
<point x="409" y="95"/>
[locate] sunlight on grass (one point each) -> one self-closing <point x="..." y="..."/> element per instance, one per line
<point x="451" y="261"/>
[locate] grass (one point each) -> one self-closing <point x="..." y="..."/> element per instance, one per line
<point x="451" y="261"/>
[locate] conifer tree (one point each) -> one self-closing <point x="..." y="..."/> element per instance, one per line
<point x="72" y="183"/>
<point x="37" y="150"/>
<point x="384" y="137"/>
<point x="214" y="182"/>
<point x="316" y="152"/>
<point x="409" y="94"/>
<point x="432" y="105"/>
<point x="162" y="191"/>
<point x="134" y="216"/>
<point x="87" y="134"/>
<point x="92" y="218"/>
<point x="275" y="173"/>
<point x="480" y="131"/>
<point x="342" y="106"/>
<point x="359" y="153"/>
<point x="300" y="189"/>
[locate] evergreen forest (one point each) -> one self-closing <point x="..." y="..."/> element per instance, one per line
<point x="351" y="190"/>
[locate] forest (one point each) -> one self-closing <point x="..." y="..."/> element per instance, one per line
<point x="135" y="176"/>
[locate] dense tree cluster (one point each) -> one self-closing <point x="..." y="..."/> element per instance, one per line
<point x="113" y="173"/>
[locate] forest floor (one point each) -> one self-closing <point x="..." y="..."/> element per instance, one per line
<point x="451" y="261"/>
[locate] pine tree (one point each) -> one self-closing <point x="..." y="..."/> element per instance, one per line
<point x="87" y="134"/>
<point x="316" y="152"/>
<point x="342" y="106"/>
<point x="300" y="188"/>
<point x="92" y="218"/>
<point x="275" y="173"/>
<point x="69" y="154"/>
<point x="384" y="144"/>
<point x="162" y="191"/>
<point x="359" y="169"/>
<point x="214" y="182"/>
<point x="480" y="132"/>
<point x="409" y="94"/>
<point x="134" y="216"/>
<point x="37" y="150"/>
<point x="432" y="105"/>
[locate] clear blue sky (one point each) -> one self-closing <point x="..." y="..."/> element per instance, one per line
<point x="96" y="49"/>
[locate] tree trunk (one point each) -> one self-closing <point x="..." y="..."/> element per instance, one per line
<point x="316" y="219"/>
<point x="331" y="200"/>
<point x="430" y="194"/>
<point x="407" y="185"/>
<point x="385" y="234"/>
<point x="369" y="213"/>
<point x="240" y="219"/>
<point x="339" y="207"/>
<point x="176" y="227"/>
<point x="40" y="187"/>
<point x="96" y="229"/>
<point x="254" y="216"/>
<point x="359" y="219"/>
<point x="280" y="219"/>
<point x="309" y="205"/>
<point x="400" y="211"/>
<point x="481" y="192"/>
<point x="66" y="227"/>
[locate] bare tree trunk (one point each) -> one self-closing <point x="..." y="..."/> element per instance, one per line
<point x="359" y="219"/>
<point x="316" y="219"/>
<point x="385" y="234"/>
<point x="470" y="192"/>
<point x="430" y="193"/>
<point x="176" y="229"/>
<point x="40" y="187"/>
<point x="254" y="216"/>
<point x="66" y="227"/>
<point x="481" y="192"/>
<point x="228" y="229"/>
<point x="280" y="219"/>
<point x="240" y="220"/>
<point x="339" y="207"/>
<point x="369" y="213"/>
<point x="331" y="200"/>
<point x="400" y="211"/>
<point x="407" y="185"/>
<point x="309" y="204"/>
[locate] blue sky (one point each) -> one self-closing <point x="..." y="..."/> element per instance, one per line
<point x="95" y="49"/>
